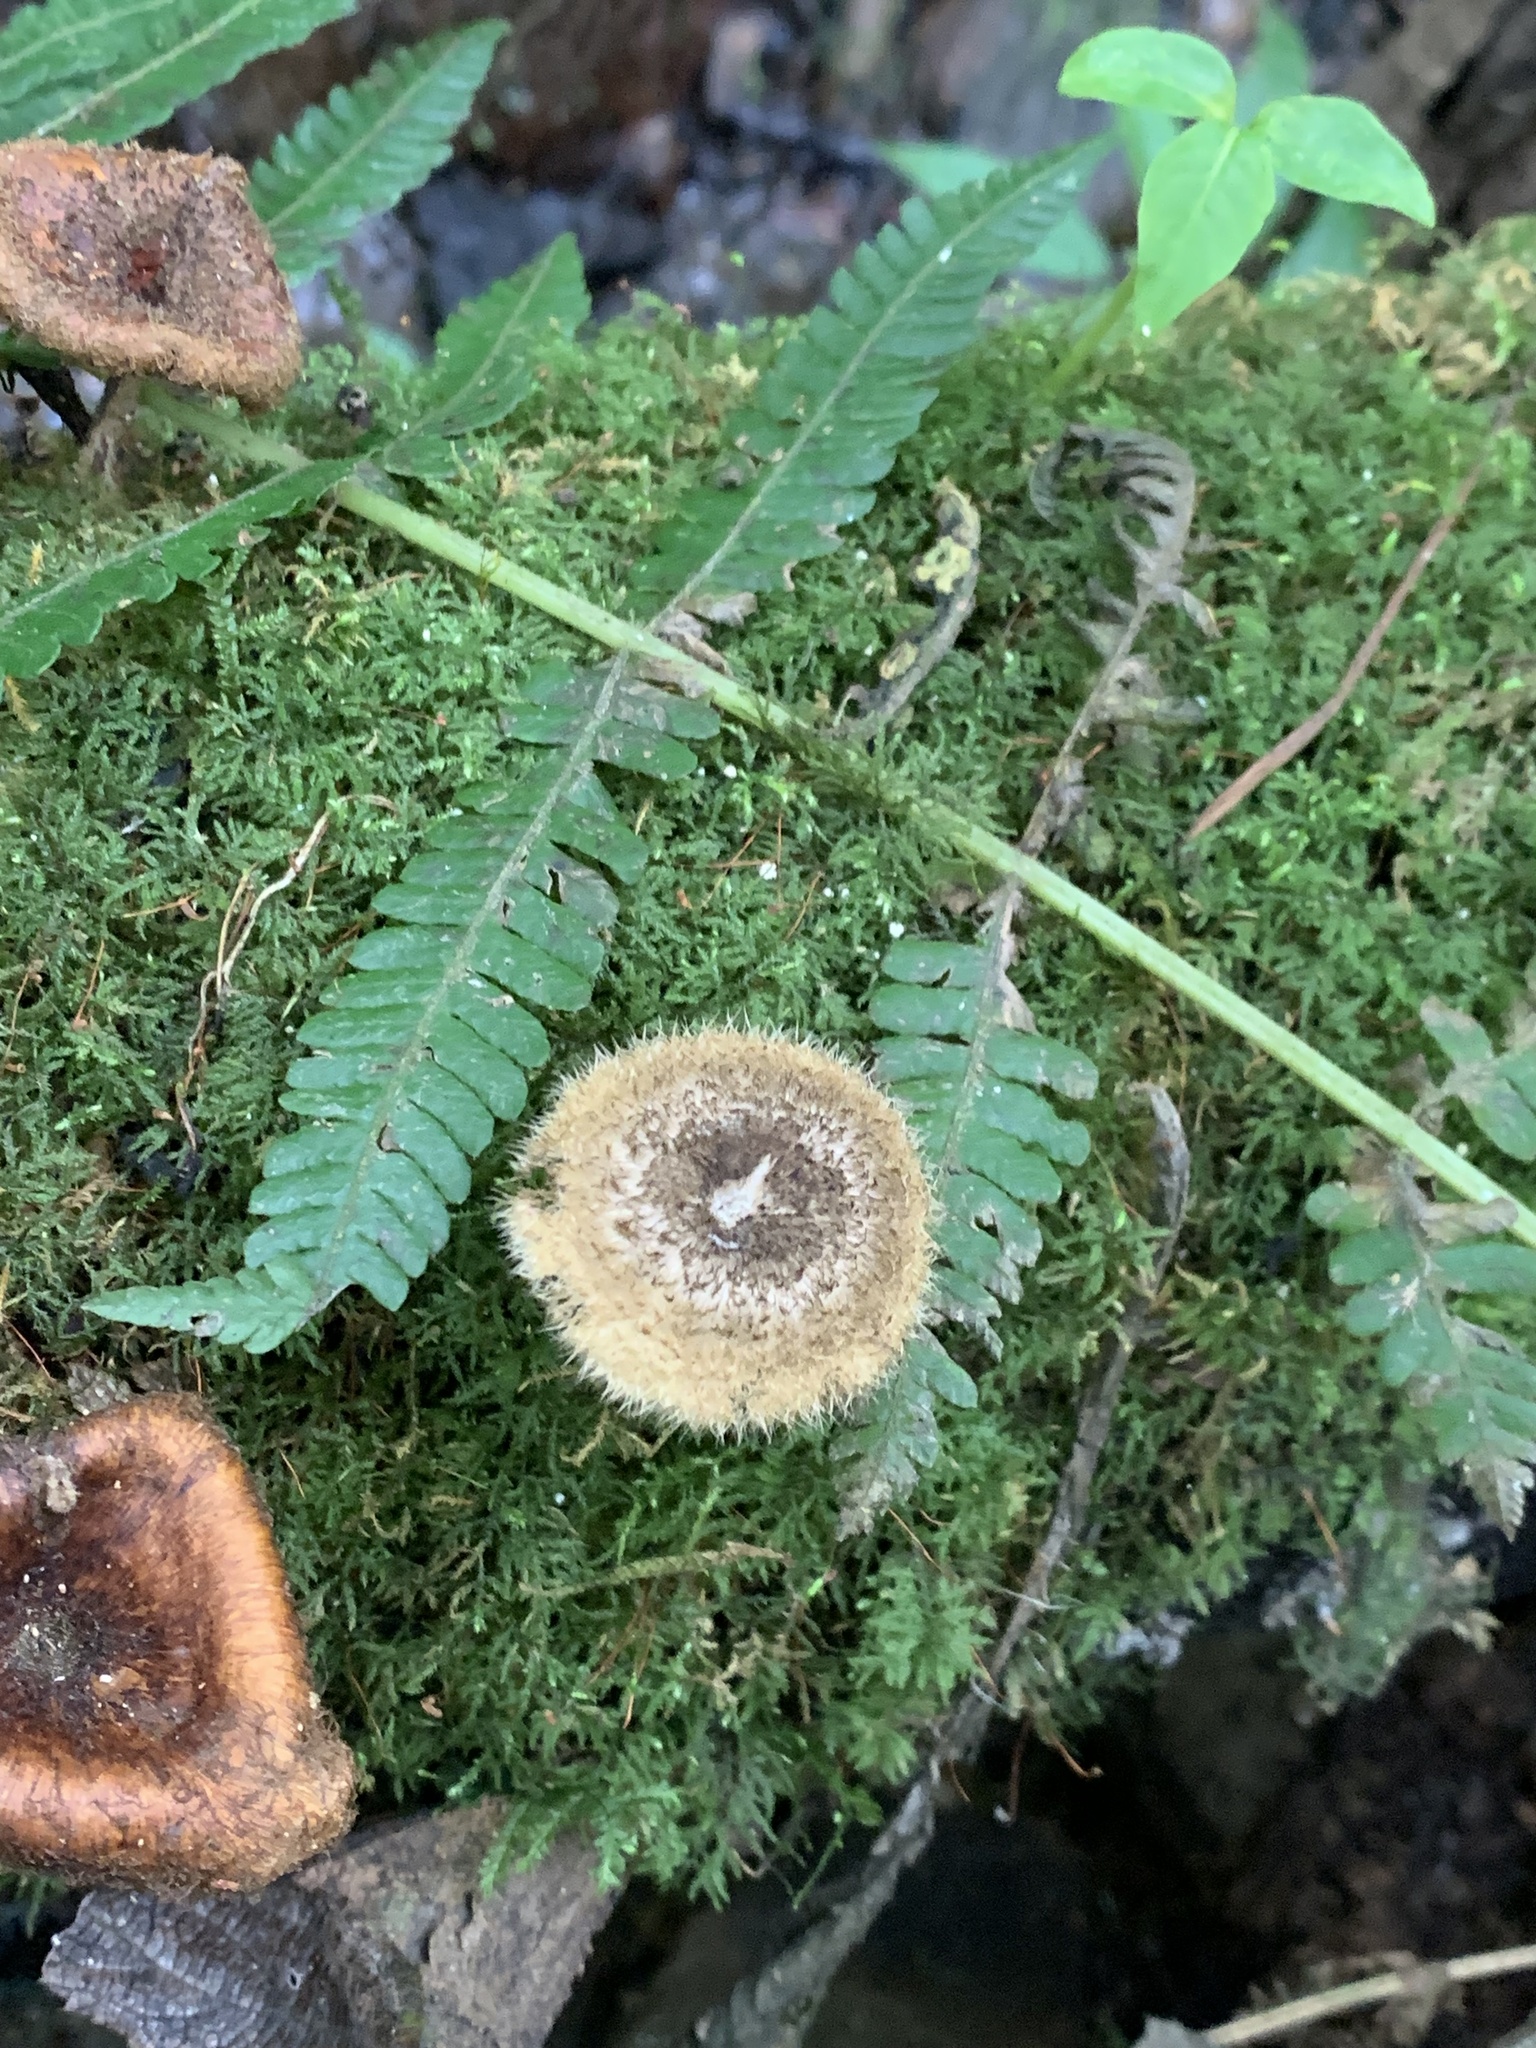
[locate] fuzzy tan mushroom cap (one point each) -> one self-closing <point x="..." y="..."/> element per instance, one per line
<point x="728" y="1229"/>
<point x="145" y="262"/>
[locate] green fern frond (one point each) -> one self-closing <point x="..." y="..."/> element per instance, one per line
<point x="1406" y="1257"/>
<point x="256" y="1310"/>
<point x="49" y="54"/>
<point x="487" y="355"/>
<point x="369" y="144"/>
<point x="965" y="1062"/>
<point x="69" y="612"/>
<point x="426" y="1043"/>
<point x="644" y="730"/>
<point x="899" y="1434"/>
<point x="852" y="385"/>
<point x="95" y="71"/>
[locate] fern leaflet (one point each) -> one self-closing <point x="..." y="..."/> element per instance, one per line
<point x="370" y="143"/>
<point x="853" y="384"/>
<point x="899" y="1433"/>
<point x="47" y="54"/>
<point x="70" y="611"/>
<point x="50" y="55"/>
<point x="1407" y="1255"/>
<point x="1497" y="1089"/>
<point x="487" y="354"/>
<point x="965" y="1062"/>
<point x="98" y="73"/>
<point x="427" y="1041"/>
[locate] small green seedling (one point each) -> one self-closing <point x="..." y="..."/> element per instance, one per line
<point x="1209" y="190"/>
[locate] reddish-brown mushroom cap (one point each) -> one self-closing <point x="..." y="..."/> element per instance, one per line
<point x="145" y="262"/>
<point x="158" y="1725"/>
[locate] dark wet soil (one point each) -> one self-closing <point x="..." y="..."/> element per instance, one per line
<point x="1214" y="1847"/>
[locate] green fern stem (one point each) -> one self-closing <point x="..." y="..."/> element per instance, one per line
<point x="436" y="537"/>
<point x="947" y="827"/>
<point x="487" y="566"/>
<point x="1117" y="935"/>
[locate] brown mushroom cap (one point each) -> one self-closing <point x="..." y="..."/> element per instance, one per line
<point x="145" y="262"/>
<point x="158" y="1726"/>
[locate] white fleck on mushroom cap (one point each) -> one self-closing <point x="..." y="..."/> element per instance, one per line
<point x="727" y="1228"/>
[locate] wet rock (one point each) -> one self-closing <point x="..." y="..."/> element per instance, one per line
<point x="382" y="262"/>
<point x="985" y="71"/>
<point x="474" y="230"/>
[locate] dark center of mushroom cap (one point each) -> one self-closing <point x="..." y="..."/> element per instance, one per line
<point x="742" y="1207"/>
<point x="756" y="1193"/>
<point x="96" y="244"/>
<point x="85" y="1652"/>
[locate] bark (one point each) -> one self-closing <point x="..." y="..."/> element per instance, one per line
<point x="1457" y="86"/>
<point x="387" y="1942"/>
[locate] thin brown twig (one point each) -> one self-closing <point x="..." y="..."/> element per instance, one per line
<point x="239" y="921"/>
<point x="32" y="972"/>
<point x="187" y="905"/>
<point x="917" y="1542"/>
<point x="1304" y="734"/>
<point x="81" y="1020"/>
<point x="803" y="911"/>
<point x="1085" y="1773"/>
<point x="1328" y="1536"/>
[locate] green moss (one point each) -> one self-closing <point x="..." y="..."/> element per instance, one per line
<point x="507" y="1587"/>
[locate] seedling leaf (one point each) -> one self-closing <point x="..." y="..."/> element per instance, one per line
<point x="1338" y="147"/>
<point x="1160" y="69"/>
<point x="1204" y="199"/>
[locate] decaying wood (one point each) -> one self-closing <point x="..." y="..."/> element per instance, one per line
<point x="495" y="1968"/>
<point x="271" y="1969"/>
<point x="386" y="1942"/>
